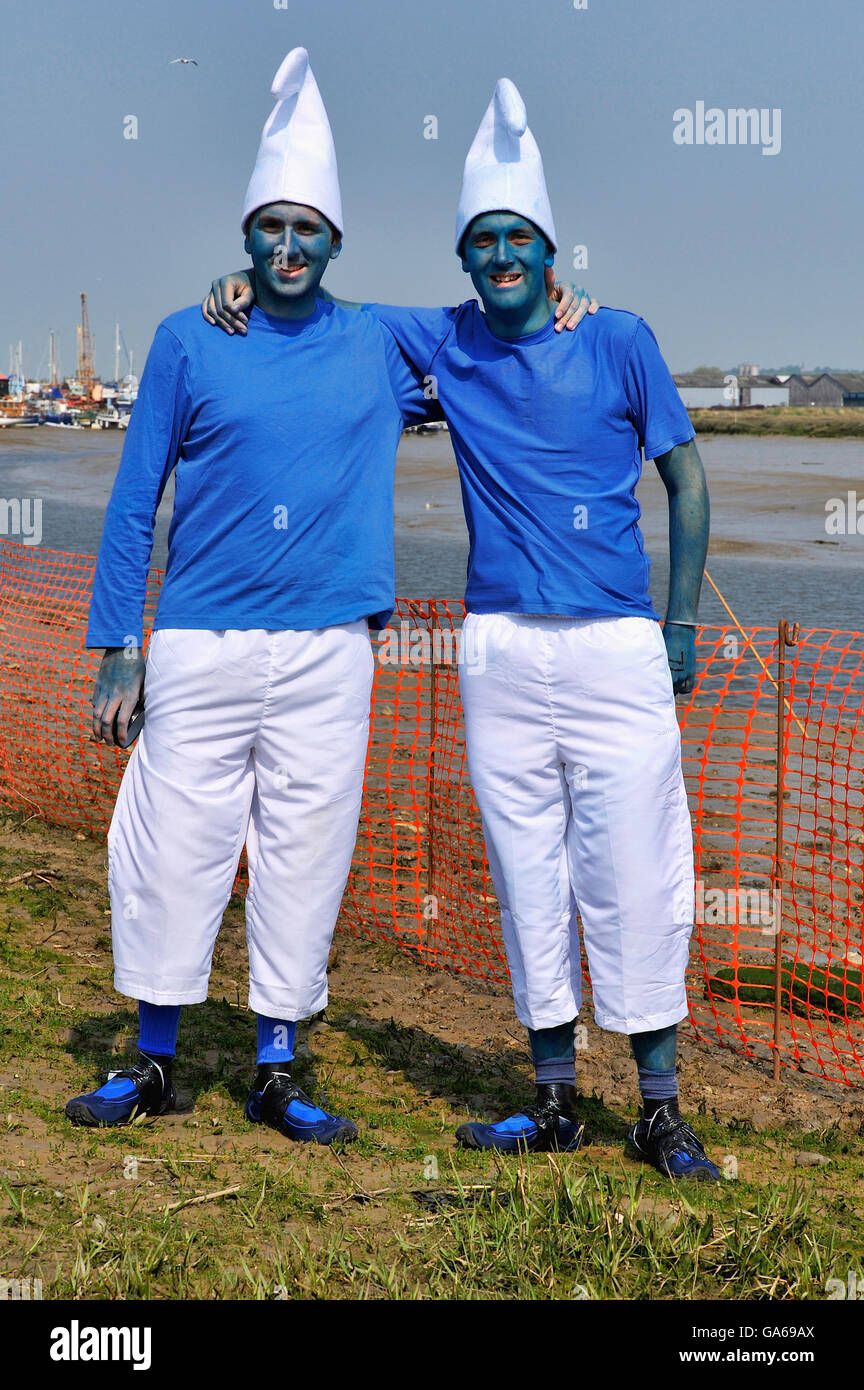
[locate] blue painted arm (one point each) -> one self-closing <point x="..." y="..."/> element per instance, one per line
<point x="689" y="520"/>
<point x="231" y="297"/>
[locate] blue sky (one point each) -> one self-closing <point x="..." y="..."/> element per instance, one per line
<point x="730" y="254"/>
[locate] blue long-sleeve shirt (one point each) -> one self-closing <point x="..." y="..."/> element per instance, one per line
<point x="283" y="446"/>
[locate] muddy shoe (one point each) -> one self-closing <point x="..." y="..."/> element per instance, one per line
<point x="145" y="1088"/>
<point x="667" y="1141"/>
<point x="277" y="1101"/>
<point x="550" y="1124"/>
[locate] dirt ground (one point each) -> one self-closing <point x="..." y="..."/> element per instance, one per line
<point x="199" y="1204"/>
<point x="378" y="986"/>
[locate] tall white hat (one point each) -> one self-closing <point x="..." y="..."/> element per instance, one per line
<point x="504" y="169"/>
<point x="296" y="157"/>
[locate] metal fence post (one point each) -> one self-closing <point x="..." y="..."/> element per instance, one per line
<point x="787" y="635"/>
<point x="430" y="771"/>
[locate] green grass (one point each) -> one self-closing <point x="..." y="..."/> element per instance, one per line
<point x="538" y="1228"/>
<point x="802" y="987"/>
<point x="812" y="421"/>
<point x="403" y="1214"/>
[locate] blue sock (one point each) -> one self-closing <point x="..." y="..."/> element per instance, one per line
<point x="157" y="1037"/>
<point x="275" y="1039"/>
<point x="158" y="1024"/>
<point x="554" y="1054"/>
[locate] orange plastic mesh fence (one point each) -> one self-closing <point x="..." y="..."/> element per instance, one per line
<point x="420" y="877"/>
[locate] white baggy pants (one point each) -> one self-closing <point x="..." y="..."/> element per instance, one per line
<point x="254" y="736"/>
<point x="575" y="758"/>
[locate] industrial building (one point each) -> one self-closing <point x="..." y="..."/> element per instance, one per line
<point x="837" y="389"/>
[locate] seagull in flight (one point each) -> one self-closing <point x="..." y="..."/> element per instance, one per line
<point x="183" y="60"/>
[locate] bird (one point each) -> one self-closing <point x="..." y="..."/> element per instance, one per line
<point x="183" y="60"/>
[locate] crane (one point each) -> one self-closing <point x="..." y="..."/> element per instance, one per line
<point x="85" y="351"/>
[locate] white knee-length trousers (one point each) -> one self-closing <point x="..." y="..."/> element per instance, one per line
<point x="255" y="736"/>
<point x="575" y="758"/>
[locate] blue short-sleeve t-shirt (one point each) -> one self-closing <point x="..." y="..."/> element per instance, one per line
<point x="548" y="431"/>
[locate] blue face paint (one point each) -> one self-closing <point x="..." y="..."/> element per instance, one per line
<point x="291" y="247"/>
<point x="505" y="255"/>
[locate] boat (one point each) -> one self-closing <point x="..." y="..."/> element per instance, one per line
<point x="63" y="420"/>
<point x="19" y="422"/>
<point x="110" y="420"/>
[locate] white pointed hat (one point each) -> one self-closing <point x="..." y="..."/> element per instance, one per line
<point x="504" y="170"/>
<point x="296" y="157"/>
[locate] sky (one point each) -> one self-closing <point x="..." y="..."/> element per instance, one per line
<point x="731" y="254"/>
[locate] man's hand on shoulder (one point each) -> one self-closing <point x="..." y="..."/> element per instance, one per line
<point x="571" y="301"/>
<point x="229" y="301"/>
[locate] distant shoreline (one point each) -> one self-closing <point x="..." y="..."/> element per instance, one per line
<point x="777" y="420"/>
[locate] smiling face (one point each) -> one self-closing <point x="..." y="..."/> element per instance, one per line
<point x="505" y="256"/>
<point x="291" y="246"/>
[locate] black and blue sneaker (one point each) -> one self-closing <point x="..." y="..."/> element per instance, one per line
<point x="277" y="1101"/>
<point x="550" y="1124"/>
<point x="667" y="1141"/>
<point x="145" y="1088"/>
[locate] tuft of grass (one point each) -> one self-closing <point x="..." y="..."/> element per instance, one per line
<point x="549" y="1230"/>
<point x="202" y="1205"/>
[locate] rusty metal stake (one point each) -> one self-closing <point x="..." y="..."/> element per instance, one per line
<point x="787" y="636"/>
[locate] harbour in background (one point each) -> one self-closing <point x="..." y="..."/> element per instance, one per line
<point x="771" y="554"/>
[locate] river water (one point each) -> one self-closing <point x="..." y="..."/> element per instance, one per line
<point x="772" y="554"/>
